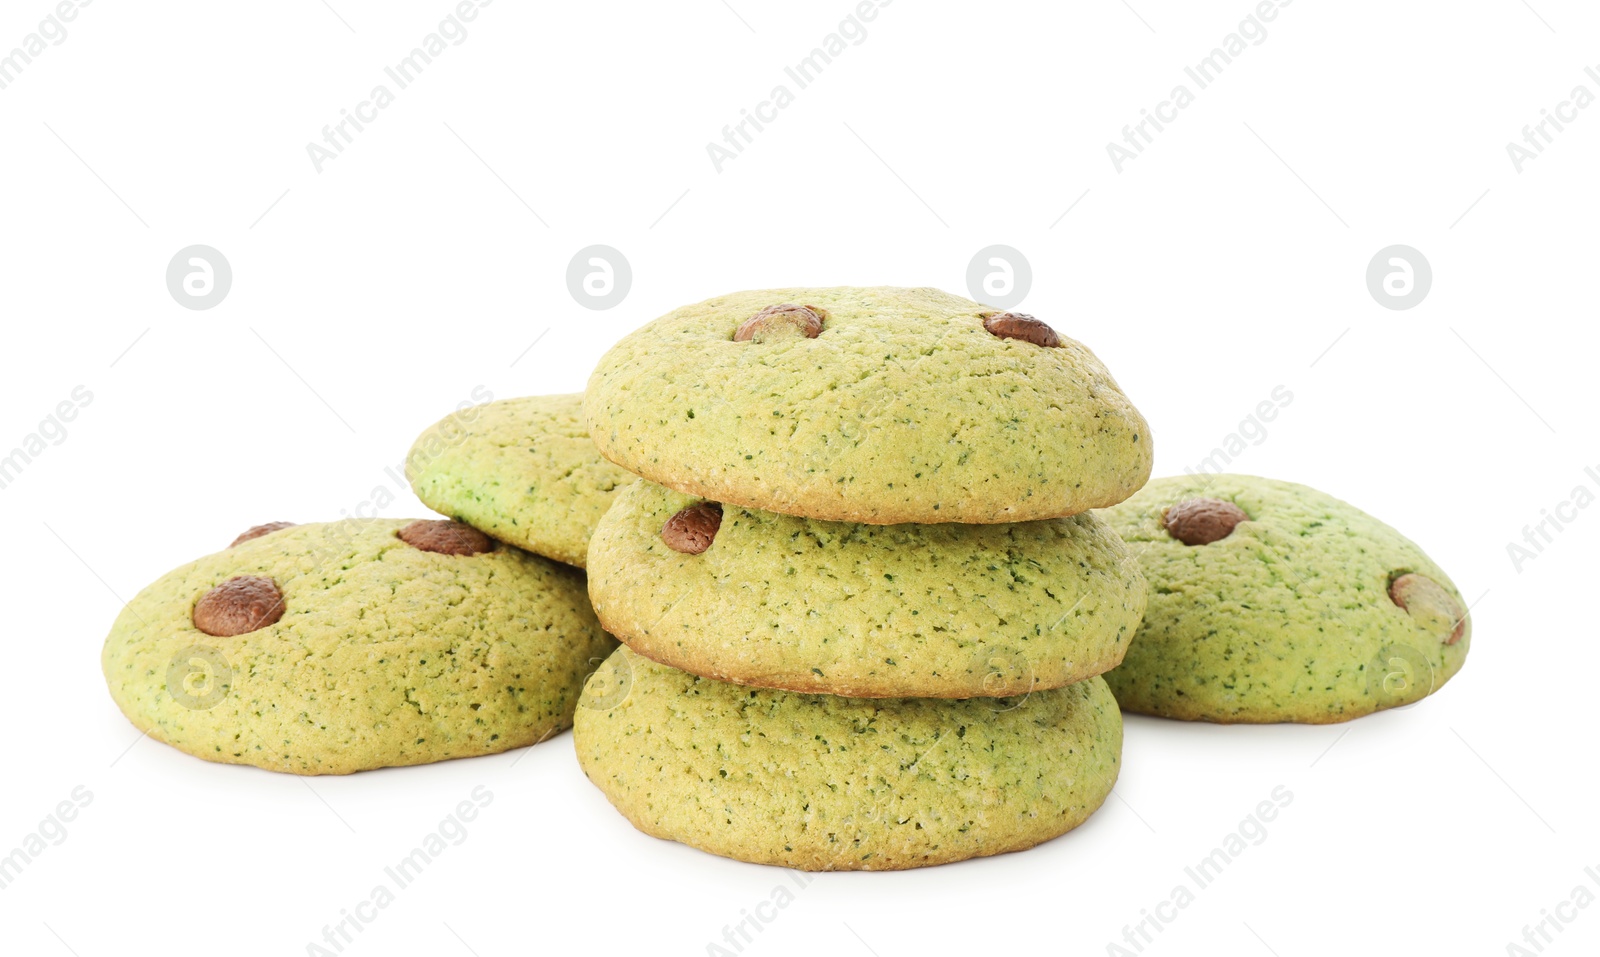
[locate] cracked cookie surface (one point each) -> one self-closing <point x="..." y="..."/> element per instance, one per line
<point x="903" y="408"/>
<point x="523" y="471"/>
<point x="820" y="782"/>
<point x="939" y="611"/>
<point x="1293" y="615"/>
<point x="382" y="653"/>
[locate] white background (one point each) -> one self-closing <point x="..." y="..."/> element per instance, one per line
<point x="1226" y="260"/>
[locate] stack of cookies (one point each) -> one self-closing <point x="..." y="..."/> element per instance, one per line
<point x="863" y="602"/>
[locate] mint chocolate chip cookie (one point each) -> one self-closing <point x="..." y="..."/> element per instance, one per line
<point x="523" y="470"/>
<point x="821" y="782"/>
<point x="327" y="649"/>
<point x="938" y="611"/>
<point x="1271" y="601"/>
<point x="877" y="405"/>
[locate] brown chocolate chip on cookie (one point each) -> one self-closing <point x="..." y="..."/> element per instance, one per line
<point x="239" y="606"/>
<point x="445" y="537"/>
<point x="1201" y="521"/>
<point x="257" y="531"/>
<point x="1017" y="325"/>
<point x="692" y="530"/>
<point x="784" y="320"/>
<point x="1427" y="601"/>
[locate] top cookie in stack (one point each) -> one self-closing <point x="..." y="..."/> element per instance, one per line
<point x="877" y="405"/>
<point x="787" y="425"/>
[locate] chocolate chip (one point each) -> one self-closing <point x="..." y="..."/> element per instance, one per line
<point x="239" y="606"/>
<point x="257" y="531"/>
<point x="445" y="537"/>
<point x="1430" y="605"/>
<point x="1201" y="521"/>
<point x="782" y="321"/>
<point x="1017" y="325"/>
<point x="692" y="530"/>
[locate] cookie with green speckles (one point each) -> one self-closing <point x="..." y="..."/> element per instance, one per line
<point x="935" y="611"/>
<point x="824" y="783"/>
<point x="1290" y="606"/>
<point x="342" y="647"/>
<point x="522" y="470"/>
<point x="878" y="405"/>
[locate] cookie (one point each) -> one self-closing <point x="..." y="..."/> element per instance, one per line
<point x="332" y="648"/>
<point x="820" y="782"/>
<point x="522" y="470"/>
<point x="877" y="405"/>
<point x="936" y="611"/>
<point x="1271" y="601"/>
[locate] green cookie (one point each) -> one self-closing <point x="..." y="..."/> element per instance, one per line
<point x="523" y="470"/>
<point x="821" y="783"/>
<point x="1289" y="605"/>
<point x="327" y="649"/>
<point x="878" y="405"/>
<point x="935" y="611"/>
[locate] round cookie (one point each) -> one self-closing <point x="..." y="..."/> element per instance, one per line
<point x="820" y="782"/>
<point x="523" y="470"/>
<point x="877" y="405"/>
<point x="332" y="648"/>
<point x="1271" y="601"/>
<point x="935" y="611"/>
